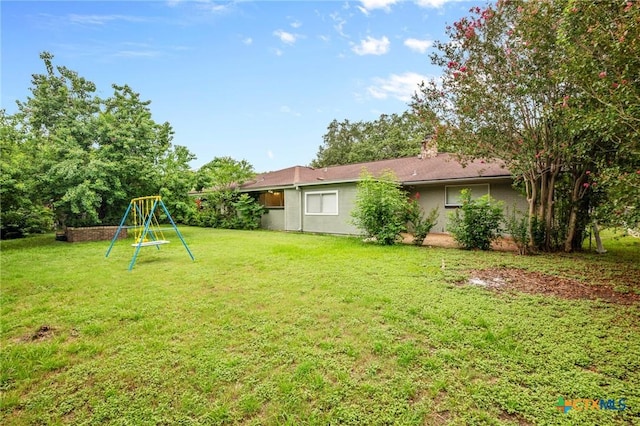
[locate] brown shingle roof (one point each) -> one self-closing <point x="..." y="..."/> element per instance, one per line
<point x="409" y="170"/>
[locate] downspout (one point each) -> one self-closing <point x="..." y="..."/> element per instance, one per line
<point x="300" y="215"/>
<point x="296" y="179"/>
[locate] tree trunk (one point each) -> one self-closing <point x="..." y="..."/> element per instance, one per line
<point x="545" y="216"/>
<point x="532" y="193"/>
<point x="596" y="232"/>
<point x="548" y="216"/>
<point x="573" y="215"/>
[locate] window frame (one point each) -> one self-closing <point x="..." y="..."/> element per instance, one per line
<point x="265" y="193"/>
<point x="460" y="187"/>
<point x="306" y="203"/>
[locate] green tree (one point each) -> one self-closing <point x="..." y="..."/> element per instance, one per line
<point x="505" y="94"/>
<point x="223" y="173"/>
<point x="381" y="208"/>
<point x="221" y="204"/>
<point x="91" y="156"/>
<point x="22" y="211"/>
<point x="390" y="136"/>
<point x="602" y="40"/>
<point x="176" y="182"/>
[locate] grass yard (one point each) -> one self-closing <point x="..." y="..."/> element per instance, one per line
<point x="275" y="328"/>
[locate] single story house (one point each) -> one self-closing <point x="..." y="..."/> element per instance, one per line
<point x="320" y="200"/>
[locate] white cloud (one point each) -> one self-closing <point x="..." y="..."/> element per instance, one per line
<point x="399" y="86"/>
<point x="433" y="3"/>
<point x="286" y="110"/>
<point x="368" y="5"/>
<point x="247" y="41"/>
<point x="137" y="54"/>
<point x="339" y="24"/>
<point x="270" y="154"/>
<point x="418" y="45"/>
<point x="277" y="52"/>
<point x="372" y="46"/>
<point x="285" y="37"/>
<point x="296" y="24"/>
<point x="102" y="19"/>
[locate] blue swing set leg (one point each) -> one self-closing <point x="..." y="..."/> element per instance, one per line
<point x="146" y="230"/>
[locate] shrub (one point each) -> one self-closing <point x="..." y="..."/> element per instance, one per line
<point x="517" y="225"/>
<point x="228" y="209"/>
<point x="381" y="207"/>
<point x="421" y="222"/>
<point x="477" y="223"/>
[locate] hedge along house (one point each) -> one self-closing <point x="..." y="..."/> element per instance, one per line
<point x="305" y="199"/>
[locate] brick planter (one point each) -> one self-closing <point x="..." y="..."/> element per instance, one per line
<point x="93" y="233"/>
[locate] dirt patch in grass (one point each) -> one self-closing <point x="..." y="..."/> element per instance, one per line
<point x="42" y="333"/>
<point x="513" y="279"/>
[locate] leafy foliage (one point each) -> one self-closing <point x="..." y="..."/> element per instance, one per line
<point x="22" y="213"/>
<point x="228" y="209"/>
<point x="90" y="155"/>
<point x="223" y="173"/>
<point x="390" y="136"/>
<point x="421" y="222"/>
<point x="381" y="207"/>
<point x="516" y="224"/>
<point x="221" y="205"/>
<point x="477" y="223"/>
<point x="548" y="87"/>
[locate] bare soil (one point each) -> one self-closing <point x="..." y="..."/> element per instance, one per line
<point x="446" y="240"/>
<point x="42" y="333"/>
<point x="520" y="280"/>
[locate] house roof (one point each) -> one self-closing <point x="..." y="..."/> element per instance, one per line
<point x="409" y="170"/>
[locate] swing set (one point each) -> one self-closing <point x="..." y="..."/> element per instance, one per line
<point x="147" y="230"/>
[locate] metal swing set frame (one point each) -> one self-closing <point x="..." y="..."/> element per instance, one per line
<point x="146" y="228"/>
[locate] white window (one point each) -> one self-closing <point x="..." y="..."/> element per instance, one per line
<point x="452" y="193"/>
<point x="321" y="203"/>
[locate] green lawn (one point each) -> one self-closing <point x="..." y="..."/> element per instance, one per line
<point x="275" y="328"/>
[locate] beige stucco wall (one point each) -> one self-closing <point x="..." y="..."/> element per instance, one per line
<point x="294" y="218"/>
<point x="432" y="196"/>
<point x="292" y="205"/>
<point x="332" y="224"/>
<point x="273" y="220"/>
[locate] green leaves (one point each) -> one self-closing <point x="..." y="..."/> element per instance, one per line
<point x="87" y="157"/>
<point x="381" y="207"/>
<point x="223" y="173"/>
<point x="390" y="136"/>
<point x="477" y="223"/>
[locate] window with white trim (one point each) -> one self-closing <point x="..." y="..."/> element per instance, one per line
<point x="452" y="193"/>
<point x="321" y="203"/>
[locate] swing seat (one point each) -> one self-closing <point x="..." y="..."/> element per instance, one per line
<point x="150" y="243"/>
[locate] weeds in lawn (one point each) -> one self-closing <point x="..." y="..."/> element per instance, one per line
<point x="274" y="328"/>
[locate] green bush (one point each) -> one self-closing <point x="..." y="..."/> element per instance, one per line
<point x="517" y="226"/>
<point x="477" y="223"/>
<point x="228" y="210"/>
<point x="381" y="207"/>
<point x="421" y="222"/>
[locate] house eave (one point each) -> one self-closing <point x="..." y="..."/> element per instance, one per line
<point x="504" y="178"/>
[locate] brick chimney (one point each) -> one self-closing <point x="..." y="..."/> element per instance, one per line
<point x="429" y="148"/>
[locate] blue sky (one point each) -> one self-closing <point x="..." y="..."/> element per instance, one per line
<point x="253" y="80"/>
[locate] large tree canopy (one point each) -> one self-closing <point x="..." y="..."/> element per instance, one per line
<point x="84" y="157"/>
<point x="390" y="136"/>
<point x="511" y="89"/>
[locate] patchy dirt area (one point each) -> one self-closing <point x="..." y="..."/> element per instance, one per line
<point x="435" y="239"/>
<point x="512" y="279"/>
<point x="42" y="333"/>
